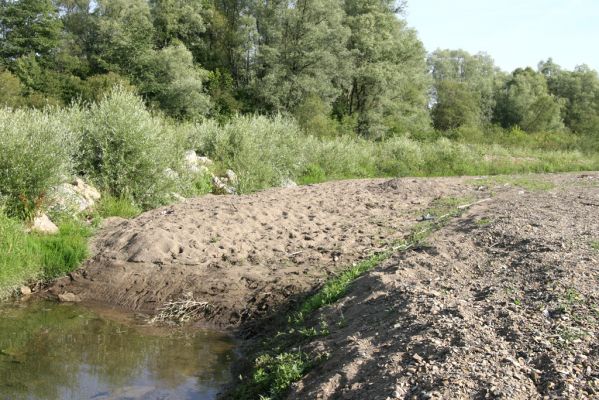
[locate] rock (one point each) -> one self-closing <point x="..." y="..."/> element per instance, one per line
<point x="73" y="198"/>
<point x="204" y="161"/>
<point x="171" y="174"/>
<point x="197" y="164"/>
<point x="25" y="290"/>
<point x="69" y="298"/>
<point x="191" y="157"/>
<point x="219" y="187"/>
<point x="198" y="169"/>
<point x="231" y="177"/>
<point x="87" y="191"/>
<point x="288" y="183"/>
<point x="178" y="197"/>
<point x="42" y="224"/>
<point x="65" y="199"/>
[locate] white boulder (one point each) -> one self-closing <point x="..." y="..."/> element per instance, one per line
<point x="73" y="198"/>
<point x="288" y="183"/>
<point x="220" y="187"/>
<point x="196" y="164"/>
<point x="231" y="177"/>
<point x="42" y="224"/>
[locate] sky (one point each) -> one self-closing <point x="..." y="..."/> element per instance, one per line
<point x="515" y="33"/>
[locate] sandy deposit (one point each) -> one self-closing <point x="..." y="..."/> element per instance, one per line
<point x="245" y="256"/>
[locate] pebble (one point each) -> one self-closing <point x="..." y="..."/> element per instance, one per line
<point x="69" y="298"/>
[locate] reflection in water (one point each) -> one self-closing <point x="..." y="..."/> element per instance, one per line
<point x="58" y="351"/>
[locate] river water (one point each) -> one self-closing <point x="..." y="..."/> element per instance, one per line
<point x="64" y="351"/>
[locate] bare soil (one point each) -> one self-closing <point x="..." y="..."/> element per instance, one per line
<point x="245" y="256"/>
<point x="502" y="303"/>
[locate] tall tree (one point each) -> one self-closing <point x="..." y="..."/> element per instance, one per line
<point x="456" y="105"/>
<point x="525" y="101"/>
<point x="469" y="80"/>
<point x="178" y="20"/>
<point x="301" y="52"/>
<point x="173" y="82"/>
<point x="389" y="82"/>
<point x="580" y="91"/>
<point x="122" y="34"/>
<point x="28" y="27"/>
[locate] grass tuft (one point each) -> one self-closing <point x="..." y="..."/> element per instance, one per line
<point x="110" y="206"/>
<point x="30" y="257"/>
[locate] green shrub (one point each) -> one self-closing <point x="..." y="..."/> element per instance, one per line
<point x="313" y="174"/>
<point x="343" y="157"/>
<point x="262" y="151"/>
<point x="35" y="150"/>
<point x="125" y="150"/>
<point x="400" y="156"/>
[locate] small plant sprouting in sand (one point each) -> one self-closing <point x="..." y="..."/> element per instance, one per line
<point x="182" y="310"/>
<point x="595" y="245"/>
<point x="484" y="221"/>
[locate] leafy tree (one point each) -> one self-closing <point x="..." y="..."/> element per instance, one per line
<point x="171" y="80"/>
<point x="28" y="27"/>
<point x="388" y="82"/>
<point x="301" y="53"/>
<point x="525" y="101"/>
<point x="10" y="90"/>
<point x="455" y="105"/>
<point x="122" y="35"/>
<point x="178" y="20"/>
<point x="230" y="41"/>
<point x="470" y="81"/>
<point x="220" y="87"/>
<point x="580" y="91"/>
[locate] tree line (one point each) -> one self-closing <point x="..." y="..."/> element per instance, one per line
<point x="338" y="66"/>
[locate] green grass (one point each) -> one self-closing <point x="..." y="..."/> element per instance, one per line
<point x="595" y="245"/>
<point x="18" y="263"/>
<point x="335" y="288"/>
<point x="29" y="257"/>
<point x="484" y="221"/>
<point x="274" y="375"/>
<point x="530" y="183"/>
<point x="110" y="206"/>
<point x="62" y="253"/>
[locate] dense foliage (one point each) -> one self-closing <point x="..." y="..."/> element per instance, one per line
<point x="338" y="66"/>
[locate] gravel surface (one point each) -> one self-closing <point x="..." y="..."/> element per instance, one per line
<point x="502" y="303"/>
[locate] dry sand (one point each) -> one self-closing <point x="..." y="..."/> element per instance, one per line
<point x="247" y="255"/>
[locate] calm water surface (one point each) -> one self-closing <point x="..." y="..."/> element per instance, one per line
<point x="63" y="351"/>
